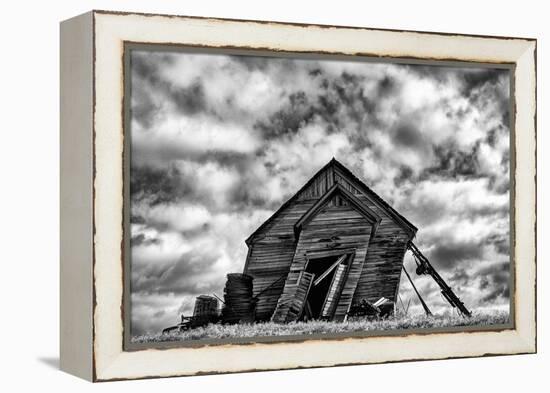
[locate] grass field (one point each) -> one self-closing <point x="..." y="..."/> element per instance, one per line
<point x="219" y="331"/>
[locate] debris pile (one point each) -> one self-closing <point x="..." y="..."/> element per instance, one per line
<point x="379" y="309"/>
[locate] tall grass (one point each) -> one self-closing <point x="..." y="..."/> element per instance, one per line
<point x="399" y="322"/>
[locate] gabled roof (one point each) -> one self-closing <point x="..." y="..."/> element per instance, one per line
<point x="406" y="224"/>
<point x="337" y="189"/>
<point x="402" y="221"/>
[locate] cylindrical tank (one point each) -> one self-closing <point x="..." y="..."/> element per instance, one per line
<point x="205" y="307"/>
<point x="240" y="306"/>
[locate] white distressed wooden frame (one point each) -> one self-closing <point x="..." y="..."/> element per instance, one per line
<point x="91" y="194"/>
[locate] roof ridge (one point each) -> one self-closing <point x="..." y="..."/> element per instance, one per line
<point x="337" y="188"/>
<point x="335" y="163"/>
<point x="374" y="194"/>
<point x="287" y="202"/>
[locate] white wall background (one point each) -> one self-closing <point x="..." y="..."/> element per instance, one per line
<point x="29" y="195"/>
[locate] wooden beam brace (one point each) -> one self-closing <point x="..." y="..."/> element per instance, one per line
<point x="426" y="309"/>
<point x="330" y="269"/>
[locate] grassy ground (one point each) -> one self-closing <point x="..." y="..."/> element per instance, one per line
<point x="218" y="331"/>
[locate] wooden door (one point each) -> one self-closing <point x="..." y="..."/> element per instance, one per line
<point x="334" y="291"/>
<point x="291" y="305"/>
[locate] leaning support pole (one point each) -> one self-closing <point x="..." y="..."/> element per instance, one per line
<point x="426" y="309"/>
<point x="423" y="266"/>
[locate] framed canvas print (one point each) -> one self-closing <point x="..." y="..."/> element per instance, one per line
<point x="243" y="195"/>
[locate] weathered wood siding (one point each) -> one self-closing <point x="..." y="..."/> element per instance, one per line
<point x="270" y="255"/>
<point x="353" y="231"/>
<point x="318" y="185"/>
<point x="382" y="268"/>
<point x="272" y="248"/>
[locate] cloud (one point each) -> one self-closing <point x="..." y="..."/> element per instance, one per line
<point x="140" y="239"/>
<point x="220" y="142"/>
<point x="179" y="137"/>
<point x="449" y="254"/>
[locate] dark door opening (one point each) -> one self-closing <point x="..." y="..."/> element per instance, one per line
<point x="318" y="292"/>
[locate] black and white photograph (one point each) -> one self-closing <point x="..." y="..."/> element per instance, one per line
<point x="237" y="196"/>
<point x="285" y="195"/>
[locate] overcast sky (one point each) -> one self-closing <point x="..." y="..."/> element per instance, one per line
<point x="220" y="142"/>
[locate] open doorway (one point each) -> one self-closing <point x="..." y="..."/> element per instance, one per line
<point x="327" y="283"/>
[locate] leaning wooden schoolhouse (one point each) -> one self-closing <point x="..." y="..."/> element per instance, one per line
<point x="333" y="244"/>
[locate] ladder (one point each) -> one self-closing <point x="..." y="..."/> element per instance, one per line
<point x="423" y="266"/>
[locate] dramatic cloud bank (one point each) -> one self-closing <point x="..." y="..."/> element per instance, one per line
<point x="220" y="142"/>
